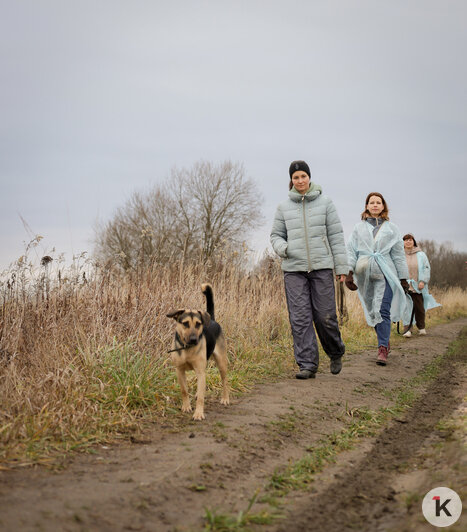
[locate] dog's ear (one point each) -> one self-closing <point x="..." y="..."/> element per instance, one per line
<point x="205" y="318"/>
<point x="175" y="314"/>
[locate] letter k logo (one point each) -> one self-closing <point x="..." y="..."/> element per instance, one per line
<point x="447" y="507"/>
<point x="442" y="507"/>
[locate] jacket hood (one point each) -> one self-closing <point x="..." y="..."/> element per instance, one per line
<point x="312" y="193"/>
<point x="415" y="249"/>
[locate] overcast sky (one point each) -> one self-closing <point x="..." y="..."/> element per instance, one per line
<point x="101" y="98"/>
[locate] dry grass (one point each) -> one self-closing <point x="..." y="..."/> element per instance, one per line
<point x="83" y="351"/>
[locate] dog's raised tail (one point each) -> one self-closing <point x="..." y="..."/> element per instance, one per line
<point x="206" y="288"/>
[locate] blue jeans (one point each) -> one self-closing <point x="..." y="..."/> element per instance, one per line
<point x="383" y="329"/>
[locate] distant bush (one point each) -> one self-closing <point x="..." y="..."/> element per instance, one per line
<point x="448" y="267"/>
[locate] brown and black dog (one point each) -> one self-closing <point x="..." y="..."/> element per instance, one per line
<point x="197" y="337"/>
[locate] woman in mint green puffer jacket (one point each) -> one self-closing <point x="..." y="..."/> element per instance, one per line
<point x="308" y="235"/>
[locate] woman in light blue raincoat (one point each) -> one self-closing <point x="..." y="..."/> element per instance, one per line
<point x="419" y="276"/>
<point x="376" y="257"/>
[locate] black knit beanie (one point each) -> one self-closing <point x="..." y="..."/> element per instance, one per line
<point x="299" y="165"/>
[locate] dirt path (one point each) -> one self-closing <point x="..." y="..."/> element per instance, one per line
<point x="164" y="482"/>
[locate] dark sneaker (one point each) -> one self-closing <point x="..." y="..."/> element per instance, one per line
<point x="305" y="374"/>
<point x="382" y="355"/>
<point x="336" y="365"/>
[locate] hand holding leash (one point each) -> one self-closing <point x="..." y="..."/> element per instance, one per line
<point x="349" y="282"/>
<point x="405" y="285"/>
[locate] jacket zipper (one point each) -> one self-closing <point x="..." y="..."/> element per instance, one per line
<point x="306" y="235"/>
<point x="377" y="224"/>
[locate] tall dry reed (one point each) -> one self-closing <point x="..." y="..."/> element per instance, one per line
<point x="85" y="356"/>
<point x="83" y="351"/>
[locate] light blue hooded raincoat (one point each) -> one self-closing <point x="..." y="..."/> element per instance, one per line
<point x="424" y="272"/>
<point x="374" y="259"/>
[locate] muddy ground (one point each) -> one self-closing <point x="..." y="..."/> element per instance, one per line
<point x="165" y="479"/>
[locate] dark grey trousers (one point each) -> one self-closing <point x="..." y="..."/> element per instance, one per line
<point x="311" y="299"/>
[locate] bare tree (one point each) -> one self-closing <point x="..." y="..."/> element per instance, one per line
<point x="194" y="215"/>
<point x="448" y="267"/>
<point x="139" y="231"/>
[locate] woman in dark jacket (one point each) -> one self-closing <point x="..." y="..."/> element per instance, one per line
<point x="308" y="235"/>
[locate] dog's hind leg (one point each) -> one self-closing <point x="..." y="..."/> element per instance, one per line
<point x="200" y="370"/>
<point x="220" y="356"/>
<point x="181" y="376"/>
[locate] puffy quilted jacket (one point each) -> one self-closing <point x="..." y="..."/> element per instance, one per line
<point x="307" y="233"/>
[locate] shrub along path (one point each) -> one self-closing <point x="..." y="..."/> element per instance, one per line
<point x="353" y="451"/>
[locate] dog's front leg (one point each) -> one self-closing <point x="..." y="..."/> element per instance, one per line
<point x="181" y="376"/>
<point x="200" y="370"/>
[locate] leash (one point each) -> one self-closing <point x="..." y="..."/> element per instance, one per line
<point x="180" y="348"/>
<point x="411" y="318"/>
<point x="183" y="346"/>
<point x="343" y="314"/>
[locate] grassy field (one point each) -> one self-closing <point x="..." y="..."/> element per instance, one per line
<point x="83" y="351"/>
